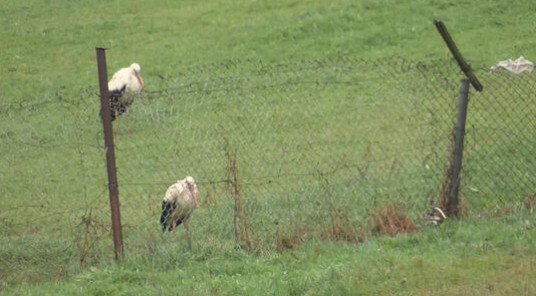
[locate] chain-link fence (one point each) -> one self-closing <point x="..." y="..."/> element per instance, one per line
<point x="499" y="159"/>
<point x="308" y="141"/>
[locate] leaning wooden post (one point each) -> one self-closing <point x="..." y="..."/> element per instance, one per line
<point x="457" y="153"/>
<point x="110" y="156"/>
<point x="456" y="163"/>
<point x="466" y="69"/>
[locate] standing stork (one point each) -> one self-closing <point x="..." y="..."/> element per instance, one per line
<point x="124" y="86"/>
<point x="178" y="204"/>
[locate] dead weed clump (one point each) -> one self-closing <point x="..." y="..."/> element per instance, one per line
<point x="528" y="201"/>
<point x="391" y="220"/>
<point x="339" y="228"/>
<point x="287" y="239"/>
<point x="242" y="229"/>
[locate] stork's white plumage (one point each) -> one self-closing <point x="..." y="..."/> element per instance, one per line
<point x="179" y="203"/>
<point x="125" y="85"/>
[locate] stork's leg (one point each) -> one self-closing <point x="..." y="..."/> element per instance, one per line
<point x="126" y="118"/>
<point x="174" y="232"/>
<point x="187" y="232"/>
<point x="117" y="124"/>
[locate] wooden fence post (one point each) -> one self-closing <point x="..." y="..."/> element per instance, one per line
<point x="466" y="69"/>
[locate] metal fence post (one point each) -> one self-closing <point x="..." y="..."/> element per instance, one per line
<point x="457" y="153"/>
<point x="110" y="155"/>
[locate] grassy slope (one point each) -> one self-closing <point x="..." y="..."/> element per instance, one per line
<point x="52" y="43"/>
<point x="461" y="258"/>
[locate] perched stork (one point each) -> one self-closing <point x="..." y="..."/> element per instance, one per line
<point x="124" y="86"/>
<point x="178" y="204"/>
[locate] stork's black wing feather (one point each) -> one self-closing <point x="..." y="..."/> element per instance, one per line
<point x="115" y="94"/>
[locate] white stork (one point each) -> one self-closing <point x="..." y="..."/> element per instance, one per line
<point x="178" y="204"/>
<point x="124" y="86"/>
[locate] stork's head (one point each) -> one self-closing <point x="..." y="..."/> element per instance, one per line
<point x="190" y="183"/>
<point x="136" y="68"/>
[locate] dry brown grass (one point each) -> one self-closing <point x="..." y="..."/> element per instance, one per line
<point x="241" y="226"/>
<point x="287" y="239"/>
<point x="391" y="220"/>
<point x="528" y="201"/>
<point x="340" y="228"/>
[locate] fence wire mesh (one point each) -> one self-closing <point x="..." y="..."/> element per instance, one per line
<point x="499" y="161"/>
<point x="310" y="138"/>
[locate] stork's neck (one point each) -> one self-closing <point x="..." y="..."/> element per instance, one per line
<point x="191" y="187"/>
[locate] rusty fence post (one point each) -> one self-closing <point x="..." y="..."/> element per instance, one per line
<point x="110" y="155"/>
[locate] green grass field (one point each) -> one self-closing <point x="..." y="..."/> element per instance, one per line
<point x="327" y="120"/>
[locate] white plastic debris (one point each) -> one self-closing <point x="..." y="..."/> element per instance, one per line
<point x="516" y="66"/>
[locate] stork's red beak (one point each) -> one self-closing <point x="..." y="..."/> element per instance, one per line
<point x="138" y="76"/>
<point x="191" y="187"/>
